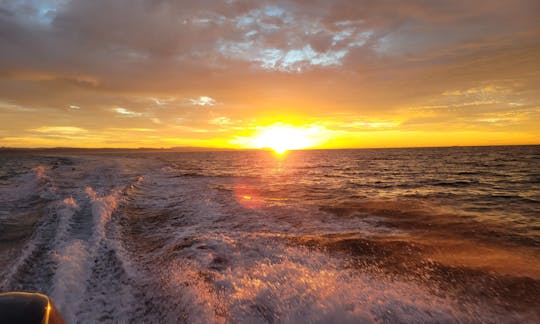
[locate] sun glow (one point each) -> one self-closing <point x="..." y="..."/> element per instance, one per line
<point x="282" y="138"/>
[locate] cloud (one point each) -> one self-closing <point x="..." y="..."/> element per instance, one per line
<point x="276" y="39"/>
<point x="220" y="121"/>
<point x="203" y="101"/>
<point x="162" y="101"/>
<point x="130" y="129"/>
<point x="290" y="60"/>
<point x="73" y="39"/>
<point x="13" y="107"/>
<point x="60" y="130"/>
<point x="127" y="113"/>
<point x="314" y="60"/>
<point x="371" y="124"/>
<point x="485" y="90"/>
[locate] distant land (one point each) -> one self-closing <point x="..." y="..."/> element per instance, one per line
<point x="77" y="150"/>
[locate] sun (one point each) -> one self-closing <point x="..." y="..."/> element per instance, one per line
<point x="282" y="138"/>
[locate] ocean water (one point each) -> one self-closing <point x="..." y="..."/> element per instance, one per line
<point x="330" y="236"/>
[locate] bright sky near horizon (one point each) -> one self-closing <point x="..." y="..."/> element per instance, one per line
<point x="234" y="73"/>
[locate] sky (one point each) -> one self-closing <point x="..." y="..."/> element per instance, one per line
<point x="233" y="73"/>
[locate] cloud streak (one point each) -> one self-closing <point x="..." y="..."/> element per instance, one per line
<point x="203" y="101"/>
<point x="61" y="130"/>
<point x="126" y="112"/>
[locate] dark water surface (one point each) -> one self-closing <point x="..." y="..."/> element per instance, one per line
<point x="386" y="235"/>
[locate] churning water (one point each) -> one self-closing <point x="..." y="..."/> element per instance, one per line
<point x="386" y="235"/>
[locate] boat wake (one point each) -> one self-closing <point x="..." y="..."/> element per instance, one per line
<point x="140" y="239"/>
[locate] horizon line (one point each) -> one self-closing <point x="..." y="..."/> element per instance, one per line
<point x="217" y="149"/>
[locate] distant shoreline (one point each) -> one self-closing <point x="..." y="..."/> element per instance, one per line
<point x="76" y="150"/>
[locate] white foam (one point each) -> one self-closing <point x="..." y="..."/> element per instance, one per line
<point x="102" y="209"/>
<point x="40" y="171"/>
<point x="75" y="257"/>
<point x="69" y="281"/>
<point x="295" y="285"/>
<point x="65" y="210"/>
<point x="71" y="202"/>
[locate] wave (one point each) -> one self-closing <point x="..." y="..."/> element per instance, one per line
<point x="295" y="285"/>
<point x="421" y="216"/>
<point x="138" y="238"/>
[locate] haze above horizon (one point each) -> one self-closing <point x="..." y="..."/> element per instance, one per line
<point x="258" y="74"/>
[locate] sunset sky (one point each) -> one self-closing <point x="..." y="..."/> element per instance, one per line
<point x="336" y="74"/>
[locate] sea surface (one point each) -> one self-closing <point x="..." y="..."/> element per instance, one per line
<point x="325" y="236"/>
